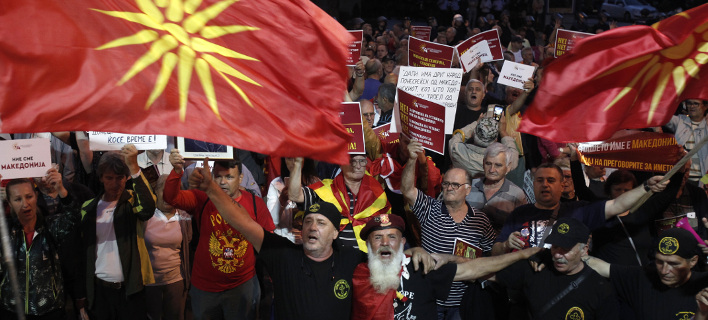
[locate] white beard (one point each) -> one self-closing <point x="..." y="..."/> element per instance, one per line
<point x="385" y="275"/>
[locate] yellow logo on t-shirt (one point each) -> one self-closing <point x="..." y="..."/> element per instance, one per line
<point x="341" y="289"/>
<point x="575" y="313"/>
<point x="227" y="250"/>
<point x="684" y="315"/>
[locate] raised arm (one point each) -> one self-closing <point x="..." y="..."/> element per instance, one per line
<point x="295" y="193"/>
<point x="231" y="211"/>
<point x="515" y="106"/>
<point x="408" y="189"/>
<point x="468" y="270"/>
<point x="600" y="266"/>
<point x="627" y="200"/>
<point x="358" y="88"/>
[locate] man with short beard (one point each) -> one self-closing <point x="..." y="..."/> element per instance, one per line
<point x="388" y="288"/>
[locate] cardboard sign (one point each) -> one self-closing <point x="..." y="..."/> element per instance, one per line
<point x="633" y="150"/>
<point x="351" y="119"/>
<point x="421" y="32"/>
<point x="355" y="47"/>
<point x="480" y="51"/>
<point x="24" y="158"/>
<point x="428" y="54"/>
<point x="492" y="38"/>
<point x="422" y="119"/>
<point x="384" y="134"/>
<point x="108" y="141"/>
<point x="466" y="250"/>
<point x="565" y="40"/>
<point x="515" y="74"/>
<point x="196" y="149"/>
<point x="441" y="86"/>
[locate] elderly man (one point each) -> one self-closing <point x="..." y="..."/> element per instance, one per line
<point x="357" y="196"/>
<point x="529" y="225"/>
<point x="385" y="99"/>
<point x="568" y="289"/>
<point x="469" y="144"/>
<point x="689" y="129"/>
<point x="471" y="110"/>
<point x="664" y="289"/>
<point x="446" y="223"/>
<point x="494" y="194"/>
<point x="386" y="287"/>
<point x="368" y="112"/>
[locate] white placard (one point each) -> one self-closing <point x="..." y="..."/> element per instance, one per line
<point x="479" y="50"/>
<point x="107" y="141"/>
<point x="515" y="74"/>
<point x="439" y="85"/>
<point x="196" y="149"/>
<point x="24" y="158"/>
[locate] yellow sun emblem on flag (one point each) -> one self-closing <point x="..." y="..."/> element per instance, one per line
<point x="686" y="58"/>
<point x="183" y="29"/>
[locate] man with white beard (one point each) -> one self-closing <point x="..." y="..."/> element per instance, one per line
<point x="388" y="288"/>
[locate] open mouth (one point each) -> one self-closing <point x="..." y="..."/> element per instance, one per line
<point x="312" y="238"/>
<point x="385" y="253"/>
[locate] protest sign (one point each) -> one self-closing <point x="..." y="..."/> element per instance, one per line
<point x="421" y="32"/>
<point x="565" y="40"/>
<point x="196" y="149"/>
<point x="384" y="134"/>
<point x="633" y="150"/>
<point x="422" y="119"/>
<point x="423" y="53"/>
<point x="492" y="38"/>
<point x="480" y="51"/>
<point x="107" y="141"/>
<point x="441" y="86"/>
<point x="351" y="119"/>
<point x="355" y="47"/>
<point x="24" y="158"/>
<point x="515" y="74"/>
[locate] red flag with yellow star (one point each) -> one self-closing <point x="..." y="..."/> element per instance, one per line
<point x="261" y="75"/>
<point x="626" y="78"/>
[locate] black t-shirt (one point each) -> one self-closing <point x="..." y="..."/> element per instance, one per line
<point x="421" y="291"/>
<point x="592" y="299"/>
<point x="306" y="289"/>
<point x="651" y="299"/>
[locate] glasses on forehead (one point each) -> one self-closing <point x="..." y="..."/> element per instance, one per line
<point x="454" y="185"/>
<point x="357" y="162"/>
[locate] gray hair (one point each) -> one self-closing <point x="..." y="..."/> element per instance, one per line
<point x="512" y="155"/>
<point x="388" y="91"/>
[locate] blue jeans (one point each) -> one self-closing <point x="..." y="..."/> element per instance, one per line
<point x="448" y="313"/>
<point x="237" y="303"/>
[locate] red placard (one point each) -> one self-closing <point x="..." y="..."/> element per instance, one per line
<point x="423" y="53"/>
<point x="355" y="47"/>
<point x="565" y="40"/>
<point x="422" y="119"/>
<point x="633" y="150"/>
<point x="492" y="37"/>
<point x="351" y="119"/>
<point x="421" y="32"/>
<point x="384" y="134"/>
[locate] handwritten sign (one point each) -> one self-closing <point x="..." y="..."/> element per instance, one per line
<point x="565" y="40"/>
<point x="107" y="141"/>
<point x="422" y="119"/>
<point x="492" y="38"/>
<point x="633" y="150"/>
<point x="478" y="51"/>
<point x="384" y="134"/>
<point x="441" y="86"/>
<point x="428" y="54"/>
<point x="351" y="119"/>
<point x="421" y="32"/>
<point x="24" y="158"/>
<point x="515" y="74"/>
<point x="355" y="47"/>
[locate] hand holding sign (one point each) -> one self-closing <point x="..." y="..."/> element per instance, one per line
<point x="54" y="181"/>
<point x="415" y="150"/>
<point x="176" y="160"/>
<point x="130" y="155"/>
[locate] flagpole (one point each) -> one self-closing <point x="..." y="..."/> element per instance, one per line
<point x="8" y="256"/>
<point x="671" y="172"/>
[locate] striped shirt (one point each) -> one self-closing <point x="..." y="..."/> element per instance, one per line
<point x="346" y="236"/>
<point x="500" y="205"/>
<point x="440" y="232"/>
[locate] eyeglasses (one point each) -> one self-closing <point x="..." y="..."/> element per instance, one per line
<point x="692" y="103"/>
<point x="454" y="185"/>
<point x="368" y="114"/>
<point x="359" y="162"/>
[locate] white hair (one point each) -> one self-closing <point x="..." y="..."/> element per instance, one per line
<point x="385" y="275"/>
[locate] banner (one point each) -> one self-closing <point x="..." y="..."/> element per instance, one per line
<point x="351" y="119"/>
<point x="633" y="150"/>
<point x="441" y="86"/>
<point x="384" y="134"/>
<point x="24" y="158"/>
<point x="422" y="119"/>
<point x="355" y="47"/>
<point x="492" y="38"/>
<point x="107" y="141"/>
<point x="515" y="74"/>
<point x="480" y="50"/>
<point x="565" y="40"/>
<point x="423" y="53"/>
<point x="421" y="32"/>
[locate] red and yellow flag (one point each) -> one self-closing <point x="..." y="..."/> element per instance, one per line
<point x="626" y="78"/>
<point x="261" y="75"/>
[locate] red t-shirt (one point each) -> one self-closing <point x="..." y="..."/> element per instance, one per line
<point x="224" y="259"/>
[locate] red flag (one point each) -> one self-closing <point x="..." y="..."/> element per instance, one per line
<point x="626" y="78"/>
<point x="266" y="76"/>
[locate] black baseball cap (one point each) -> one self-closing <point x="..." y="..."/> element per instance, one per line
<point x="326" y="209"/>
<point x="567" y="232"/>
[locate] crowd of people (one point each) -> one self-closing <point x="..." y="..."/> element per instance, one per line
<point x="504" y="225"/>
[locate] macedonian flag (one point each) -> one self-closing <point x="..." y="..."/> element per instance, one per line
<point x="261" y="75"/>
<point x="626" y="78"/>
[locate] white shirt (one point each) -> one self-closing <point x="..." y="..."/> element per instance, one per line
<point x="108" y="267"/>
